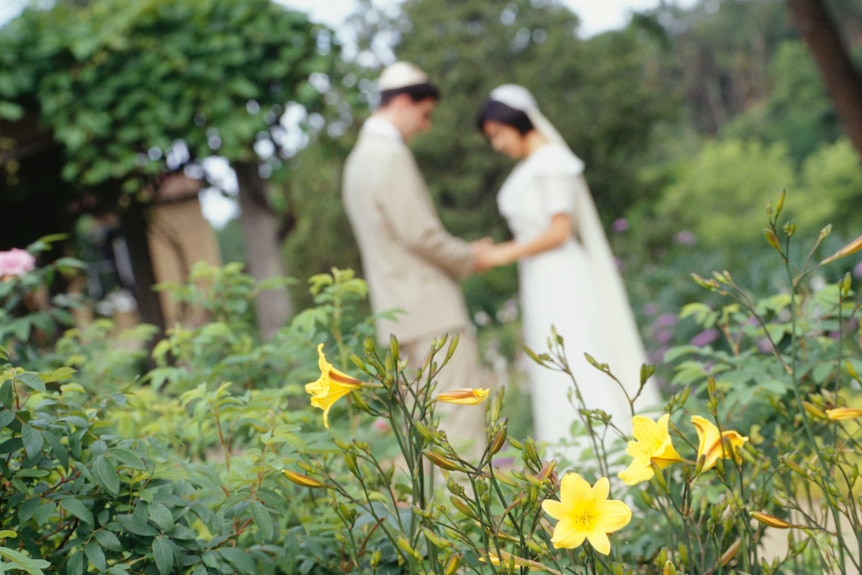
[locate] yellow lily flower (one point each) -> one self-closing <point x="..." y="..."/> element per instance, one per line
<point x="330" y="387"/>
<point x="584" y="512"/>
<point x="714" y="445"/>
<point x="842" y="413"/>
<point x="463" y="396"/>
<point x="652" y="445"/>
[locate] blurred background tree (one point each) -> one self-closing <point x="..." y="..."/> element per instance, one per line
<point x="689" y="119"/>
<point x="126" y="92"/>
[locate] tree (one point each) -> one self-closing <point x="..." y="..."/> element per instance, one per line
<point x="722" y="192"/>
<point x="130" y="90"/>
<point x="717" y="54"/>
<point x="841" y="78"/>
<point x="796" y="111"/>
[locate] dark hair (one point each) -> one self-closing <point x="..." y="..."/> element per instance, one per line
<point x="499" y="112"/>
<point x="417" y="93"/>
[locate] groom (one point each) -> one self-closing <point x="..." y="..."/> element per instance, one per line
<point x="411" y="262"/>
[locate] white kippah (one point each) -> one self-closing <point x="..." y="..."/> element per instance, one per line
<point x="401" y="75"/>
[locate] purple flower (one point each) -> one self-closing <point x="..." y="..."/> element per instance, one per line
<point x="705" y="337"/>
<point x="663" y="336"/>
<point x="857" y="271"/>
<point x="665" y="320"/>
<point x="685" y="238"/>
<point x="650" y="308"/>
<point x="620" y="225"/>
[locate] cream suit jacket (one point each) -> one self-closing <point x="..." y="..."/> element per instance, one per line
<point x="410" y="261"/>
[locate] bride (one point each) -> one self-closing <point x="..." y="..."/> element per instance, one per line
<point x="566" y="271"/>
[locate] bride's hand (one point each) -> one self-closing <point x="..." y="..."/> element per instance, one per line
<point x="494" y="256"/>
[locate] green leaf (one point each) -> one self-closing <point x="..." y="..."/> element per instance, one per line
<point x="11" y="445"/>
<point x="78" y="509"/>
<point x="96" y="555"/>
<point x="31" y="380"/>
<point x="31" y="473"/>
<point x="127" y="457"/>
<point x="75" y="566"/>
<point x="106" y="475"/>
<point x="675" y="353"/>
<point x="19" y="329"/>
<point x="23" y="562"/>
<point x="25" y="513"/>
<point x="263" y="520"/>
<point x="161" y="516"/>
<point x="211" y="560"/>
<point x="6" y="417"/>
<point x="11" y="111"/>
<point x="108" y="540"/>
<point x="60" y="451"/>
<point x="239" y="559"/>
<point x="164" y="555"/>
<point x="6" y="394"/>
<point x="59" y="374"/>
<point x="136" y="525"/>
<point x="33" y="440"/>
<point x="45" y="513"/>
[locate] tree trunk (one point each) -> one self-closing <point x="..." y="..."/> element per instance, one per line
<point x="842" y="81"/>
<point x="262" y="248"/>
<point x="134" y="226"/>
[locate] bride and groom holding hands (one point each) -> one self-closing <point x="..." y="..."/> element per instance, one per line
<point x="566" y="271"/>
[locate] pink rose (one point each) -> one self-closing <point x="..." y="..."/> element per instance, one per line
<point x="16" y="262"/>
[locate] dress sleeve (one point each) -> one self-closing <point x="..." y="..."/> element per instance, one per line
<point x="557" y="192"/>
<point x="557" y="174"/>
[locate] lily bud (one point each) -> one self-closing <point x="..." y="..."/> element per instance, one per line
<point x="813" y="410"/>
<point x="500" y="438"/>
<point x="547" y="470"/>
<point x="780" y="203"/>
<point x="404" y="545"/>
<point x="464" y="396"/>
<point x="772" y="239"/>
<point x="441" y="461"/>
<point x="435" y="539"/>
<point x="731" y="552"/>
<point x="463" y="507"/>
<point x="771" y="520"/>
<point x="301" y="480"/>
<point x="453" y="564"/>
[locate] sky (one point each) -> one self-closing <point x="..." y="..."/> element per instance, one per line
<point x="596" y="16"/>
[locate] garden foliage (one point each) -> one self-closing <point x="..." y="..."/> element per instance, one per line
<point x="214" y="460"/>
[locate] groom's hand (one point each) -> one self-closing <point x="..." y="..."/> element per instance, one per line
<point x="481" y="249"/>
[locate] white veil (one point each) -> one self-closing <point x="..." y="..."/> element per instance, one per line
<point x="624" y="340"/>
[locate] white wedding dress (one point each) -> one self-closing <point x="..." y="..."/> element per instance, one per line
<point x="576" y="288"/>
